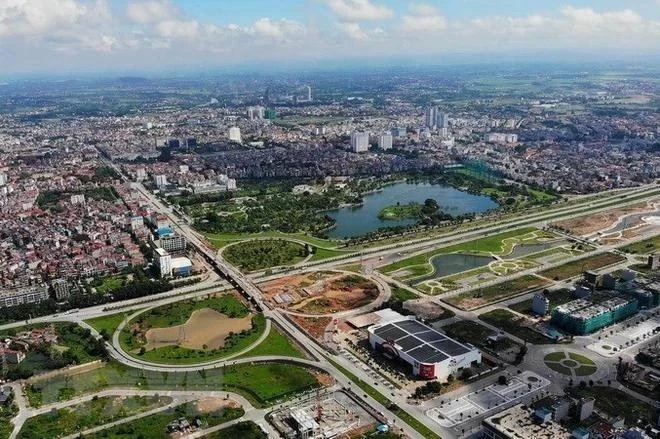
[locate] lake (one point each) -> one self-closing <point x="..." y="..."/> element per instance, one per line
<point x="356" y="221"/>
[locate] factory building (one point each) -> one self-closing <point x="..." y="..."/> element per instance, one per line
<point x="430" y="353"/>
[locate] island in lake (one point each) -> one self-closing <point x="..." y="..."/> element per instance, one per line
<point x="400" y="211"/>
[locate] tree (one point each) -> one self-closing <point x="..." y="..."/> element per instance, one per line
<point x="501" y="380"/>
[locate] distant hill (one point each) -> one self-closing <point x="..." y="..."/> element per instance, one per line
<point x="133" y="80"/>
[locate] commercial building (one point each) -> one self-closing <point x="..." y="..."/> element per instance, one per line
<point x="360" y="142"/>
<point x="256" y="113"/>
<point x="163" y="261"/>
<point x="581" y="317"/>
<point x="171" y="243"/>
<point x="19" y="296"/>
<point x="430" y="353"/>
<point x="500" y="138"/>
<point x="385" y="141"/>
<point x="181" y="267"/>
<point x="235" y="135"/>
<point x="61" y="289"/>
<point x="540" y="304"/>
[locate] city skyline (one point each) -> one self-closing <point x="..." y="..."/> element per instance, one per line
<point x="101" y="35"/>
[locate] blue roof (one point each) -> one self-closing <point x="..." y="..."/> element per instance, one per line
<point x="165" y="231"/>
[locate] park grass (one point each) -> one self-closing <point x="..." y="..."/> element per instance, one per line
<point x="110" y="283"/>
<point x="242" y="430"/>
<point x="321" y="254"/>
<point x="575" y="268"/>
<point x="383" y="400"/>
<point x="486" y="245"/>
<point x="264" y="253"/>
<point x="555" y="356"/>
<point x="496" y="292"/>
<point x="558" y="297"/>
<point x="643" y="247"/>
<point x="401" y="294"/>
<point x="263" y="384"/>
<point x="508" y="322"/>
<point x="276" y="344"/>
<point x="155" y="425"/>
<point x="559" y="368"/>
<point x="80" y="417"/>
<point x="585" y="361"/>
<point x="614" y="402"/>
<point x="585" y="370"/>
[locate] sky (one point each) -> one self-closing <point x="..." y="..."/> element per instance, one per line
<point x="41" y="36"/>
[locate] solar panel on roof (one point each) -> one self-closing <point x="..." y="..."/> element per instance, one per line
<point x="412" y="326"/>
<point x="423" y="353"/>
<point x="450" y="347"/>
<point x="430" y="336"/>
<point x="408" y="343"/>
<point x="389" y="332"/>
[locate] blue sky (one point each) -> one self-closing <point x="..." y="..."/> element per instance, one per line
<point x="86" y="35"/>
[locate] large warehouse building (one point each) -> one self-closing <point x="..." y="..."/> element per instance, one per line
<point x="430" y="353"/>
<point x="582" y="317"/>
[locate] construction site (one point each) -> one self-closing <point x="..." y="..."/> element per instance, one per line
<point x="324" y="416"/>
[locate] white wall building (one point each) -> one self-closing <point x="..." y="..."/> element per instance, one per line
<point x="163" y="261"/>
<point x="78" y="199"/>
<point x="360" y="142"/>
<point x="430" y="353"/>
<point x="235" y="135"/>
<point x="385" y="141"/>
<point x="160" y="180"/>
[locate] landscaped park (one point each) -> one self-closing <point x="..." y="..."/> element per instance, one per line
<point x="570" y="363"/>
<point x="193" y="331"/>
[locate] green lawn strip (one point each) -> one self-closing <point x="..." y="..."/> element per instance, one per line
<point x="155" y="426"/>
<point x="242" y="430"/>
<point x="643" y="247"/>
<point x="615" y="403"/>
<point x="261" y="383"/>
<point x="555" y="356"/>
<point x="585" y="370"/>
<point x="401" y="294"/>
<point x="507" y="321"/>
<point x="585" y="361"/>
<point x="80" y="417"/>
<point x="321" y="254"/>
<point x="180" y="355"/>
<point x="7" y="411"/>
<point x="108" y="324"/>
<point x="262" y="254"/>
<point x="488" y="244"/>
<point x="275" y="343"/>
<point x="574" y="268"/>
<point x="220" y="240"/>
<point x="383" y="400"/>
<point x="496" y="292"/>
<point x="559" y="368"/>
<point x="557" y="297"/>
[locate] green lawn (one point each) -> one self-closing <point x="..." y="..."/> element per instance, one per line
<point x="220" y="240"/>
<point x="489" y="244"/>
<point x="243" y="430"/>
<point x="585" y="361"/>
<point x="108" y="324"/>
<point x="261" y="254"/>
<point x="80" y="417"/>
<point x="559" y="368"/>
<point x="643" y="247"/>
<point x="508" y="322"/>
<point x="555" y="356"/>
<point x="401" y="294"/>
<point x="575" y="268"/>
<point x="614" y="403"/>
<point x="321" y="254"/>
<point x="261" y="383"/>
<point x="585" y="370"/>
<point x="493" y="293"/>
<point x="155" y="426"/>
<point x="274" y="344"/>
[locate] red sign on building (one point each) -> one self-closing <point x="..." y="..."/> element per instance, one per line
<point x="427" y="371"/>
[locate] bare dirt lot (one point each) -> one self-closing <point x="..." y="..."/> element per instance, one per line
<point x="585" y="225"/>
<point x="205" y="329"/>
<point x="317" y="293"/>
<point x="210" y="404"/>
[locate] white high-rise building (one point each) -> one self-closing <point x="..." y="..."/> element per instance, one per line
<point x="78" y="199"/>
<point x="442" y="120"/>
<point x="160" y="180"/>
<point x="431" y="117"/>
<point x="3" y="178"/>
<point x="385" y="141"/>
<point x="360" y="142"/>
<point x="257" y="112"/>
<point x="235" y="134"/>
<point x="141" y="174"/>
<point x="163" y="261"/>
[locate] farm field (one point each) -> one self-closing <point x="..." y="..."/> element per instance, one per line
<point x="320" y="292"/>
<point x="575" y="268"/>
<point x="493" y="293"/>
<point x="193" y="331"/>
<point x="261" y="383"/>
<point x="87" y="415"/>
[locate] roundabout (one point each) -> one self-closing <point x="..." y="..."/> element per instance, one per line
<point x="570" y="363"/>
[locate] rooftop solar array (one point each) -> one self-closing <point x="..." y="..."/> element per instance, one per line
<point x="421" y="342"/>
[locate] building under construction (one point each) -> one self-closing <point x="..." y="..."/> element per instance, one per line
<point x="322" y="417"/>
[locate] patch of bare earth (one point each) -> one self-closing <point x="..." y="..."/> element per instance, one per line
<point x="213" y="404"/>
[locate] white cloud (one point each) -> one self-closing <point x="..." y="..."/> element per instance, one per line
<point x="178" y="29"/>
<point x="353" y="31"/>
<point x="36" y="17"/>
<point x="359" y="10"/>
<point x="424" y="18"/>
<point x="144" y="12"/>
<point x="588" y="20"/>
